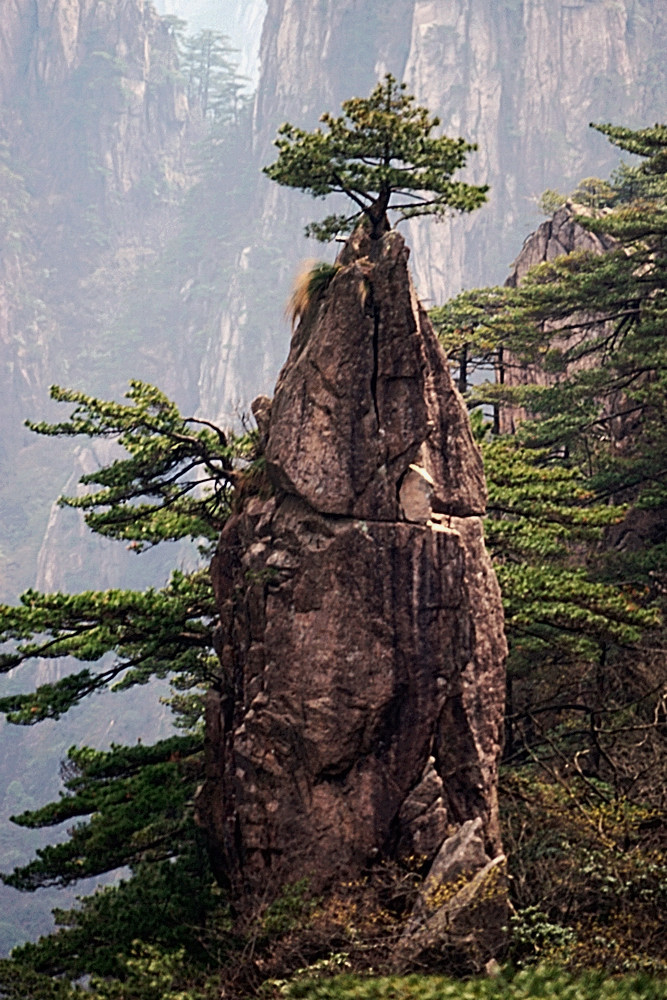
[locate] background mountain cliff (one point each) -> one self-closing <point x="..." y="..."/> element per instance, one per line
<point x="93" y="124"/>
<point x="138" y="237"/>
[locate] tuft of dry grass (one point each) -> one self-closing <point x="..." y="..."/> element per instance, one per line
<point x="312" y="280"/>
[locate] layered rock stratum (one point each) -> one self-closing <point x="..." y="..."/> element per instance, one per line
<point x="361" y="628"/>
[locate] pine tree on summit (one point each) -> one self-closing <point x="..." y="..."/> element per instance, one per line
<point x="381" y="154"/>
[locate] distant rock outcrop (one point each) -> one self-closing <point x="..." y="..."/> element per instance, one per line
<point x="559" y="235"/>
<point x="361" y="629"/>
<point x="555" y="237"/>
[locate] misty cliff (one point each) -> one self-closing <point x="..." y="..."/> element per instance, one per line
<point x="100" y="74"/>
<point x="94" y="129"/>
<point x="93" y="123"/>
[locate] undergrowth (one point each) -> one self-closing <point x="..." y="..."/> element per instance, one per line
<point x="528" y="984"/>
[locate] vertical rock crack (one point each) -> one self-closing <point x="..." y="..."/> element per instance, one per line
<point x="374" y="376"/>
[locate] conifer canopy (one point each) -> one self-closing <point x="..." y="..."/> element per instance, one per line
<point x="382" y="155"/>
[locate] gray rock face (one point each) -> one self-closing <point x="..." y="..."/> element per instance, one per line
<point x="523" y="79"/>
<point x="47" y="47"/>
<point x="442" y="916"/>
<point x="95" y="128"/>
<point x="361" y="641"/>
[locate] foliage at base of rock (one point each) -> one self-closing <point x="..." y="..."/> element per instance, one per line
<point x="525" y="985"/>
<point x="588" y="871"/>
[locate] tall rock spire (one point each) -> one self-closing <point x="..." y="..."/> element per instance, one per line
<point x="361" y="629"/>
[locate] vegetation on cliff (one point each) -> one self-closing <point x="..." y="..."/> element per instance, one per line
<point x="120" y="228"/>
<point x="133" y="805"/>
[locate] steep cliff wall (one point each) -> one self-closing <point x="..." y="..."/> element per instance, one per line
<point x="523" y="80"/>
<point x="93" y="128"/>
<point x="94" y="87"/>
<point x="92" y="143"/>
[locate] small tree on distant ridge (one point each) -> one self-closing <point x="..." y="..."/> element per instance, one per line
<point x="381" y="154"/>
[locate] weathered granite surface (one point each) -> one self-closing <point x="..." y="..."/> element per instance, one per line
<point x="361" y="630"/>
<point x="561" y="234"/>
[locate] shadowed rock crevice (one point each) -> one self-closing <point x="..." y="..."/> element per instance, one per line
<point x="361" y="629"/>
<point x="374" y="376"/>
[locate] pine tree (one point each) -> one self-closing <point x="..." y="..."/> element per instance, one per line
<point x="592" y="443"/>
<point x="582" y="339"/>
<point x="595" y="325"/>
<point x="133" y="806"/>
<point x="176" y="483"/>
<point x="382" y="156"/>
<point x="543" y="531"/>
<point x="213" y="85"/>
